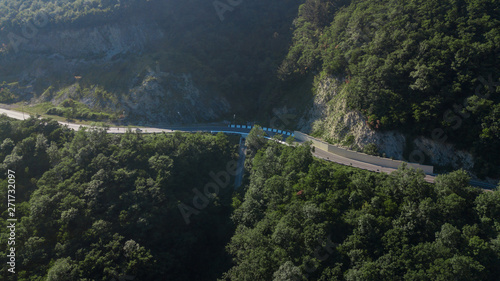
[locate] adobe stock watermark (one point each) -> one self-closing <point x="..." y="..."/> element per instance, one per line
<point x="282" y="118"/>
<point x="201" y="200"/>
<point x="157" y="73"/>
<point x="321" y="253"/>
<point x="455" y="118"/>
<point x="28" y="31"/>
<point x="221" y="7"/>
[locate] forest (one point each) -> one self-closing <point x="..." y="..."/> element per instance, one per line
<point x="413" y="66"/>
<point x="15" y="13"/>
<point x="301" y="218"/>
<point x="97" y="206"/>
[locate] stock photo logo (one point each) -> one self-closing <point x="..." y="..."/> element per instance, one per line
<point x="455" y="118"/>
<point x="223" y="6"/>
<point x="200" y="201"/>
<point x="123" y="278"/>
<point x="28" y="31"/>
<point x="282" y="117"/>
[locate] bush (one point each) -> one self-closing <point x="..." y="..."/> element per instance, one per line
<point x="6" y="96"/>
<point x="371" y="149"/>
<point x="349" y="140"/>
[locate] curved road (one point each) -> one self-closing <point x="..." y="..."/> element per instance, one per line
<point x="243" y="131"/>
<point x="120" y="130"/>
<point x="317" y="152"/>
<point x="328" y="156"/>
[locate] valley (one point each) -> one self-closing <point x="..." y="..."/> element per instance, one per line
<point x="130" y="145"/>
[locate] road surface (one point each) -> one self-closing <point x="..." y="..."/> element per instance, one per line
<point x="14" y="114"/>
<point x="358" y="164"/>
<point x="121" y="130"/>
<point x="243" y="131"/>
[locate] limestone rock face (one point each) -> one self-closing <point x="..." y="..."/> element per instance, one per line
<point x="102" y="41"/>
<point x="171" y="99"/>
<point x="330" y="119"/>
<point x="117" y="58"/>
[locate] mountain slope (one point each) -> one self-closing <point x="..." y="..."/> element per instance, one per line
<point x="422" y="72"/>
<point x="423" y="68"/>
<point x="185" y="49"/>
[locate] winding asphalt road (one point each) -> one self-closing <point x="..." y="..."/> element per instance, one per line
<point x="121" y="130"/>
<point x="242" y="131"/>
<point x="328" y="156"/>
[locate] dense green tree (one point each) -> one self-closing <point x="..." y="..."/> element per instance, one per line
<point x="256" y="138"/>
<point x="92" y="205"/>
<point x="412" y="66"/>
<point x="313" y="220"/>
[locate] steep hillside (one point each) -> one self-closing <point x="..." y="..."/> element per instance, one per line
<point x="159" y="61"/>
<point x="415" y="80"/>
<point x="423" y="68"/>
<point x="306" y="219"/>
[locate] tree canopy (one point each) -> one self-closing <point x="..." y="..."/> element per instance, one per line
<point x="414" y="66"/>
<point x="305" y="219"/>
<point x="92" y="205"/>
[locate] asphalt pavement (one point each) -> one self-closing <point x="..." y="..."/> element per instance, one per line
<point x="217" y="128"/>
<point x="328" y="156"/>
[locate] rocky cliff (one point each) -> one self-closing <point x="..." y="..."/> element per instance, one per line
<point x="330" y="119"/>
<point x="117" y="57"/>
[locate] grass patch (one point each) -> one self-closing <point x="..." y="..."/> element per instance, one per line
<point x="69" y="110"/>
<point x="348" y="141"/>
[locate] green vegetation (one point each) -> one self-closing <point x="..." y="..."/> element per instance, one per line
<point x="404" y="64"/>
<point x="305" y="219"/>
<point x="6" y="94"/>
<point x="414" y="66"/>
<point x="16" y="13"/>
<point x="76" y="110"/>
<point x="256" y="138"/>
<point x="371" y="149"/>
<point x="69" y="107"/>
<point x="95" y="206"/>
<point x="349" y="140"/>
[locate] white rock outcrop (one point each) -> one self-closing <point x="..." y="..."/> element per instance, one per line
<point x="331" y="119"/>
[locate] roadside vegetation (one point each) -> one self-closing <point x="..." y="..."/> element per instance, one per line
<point x="301" y="218"/>
<point x="410" y="66"/>
<point x="92" y="205"/>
